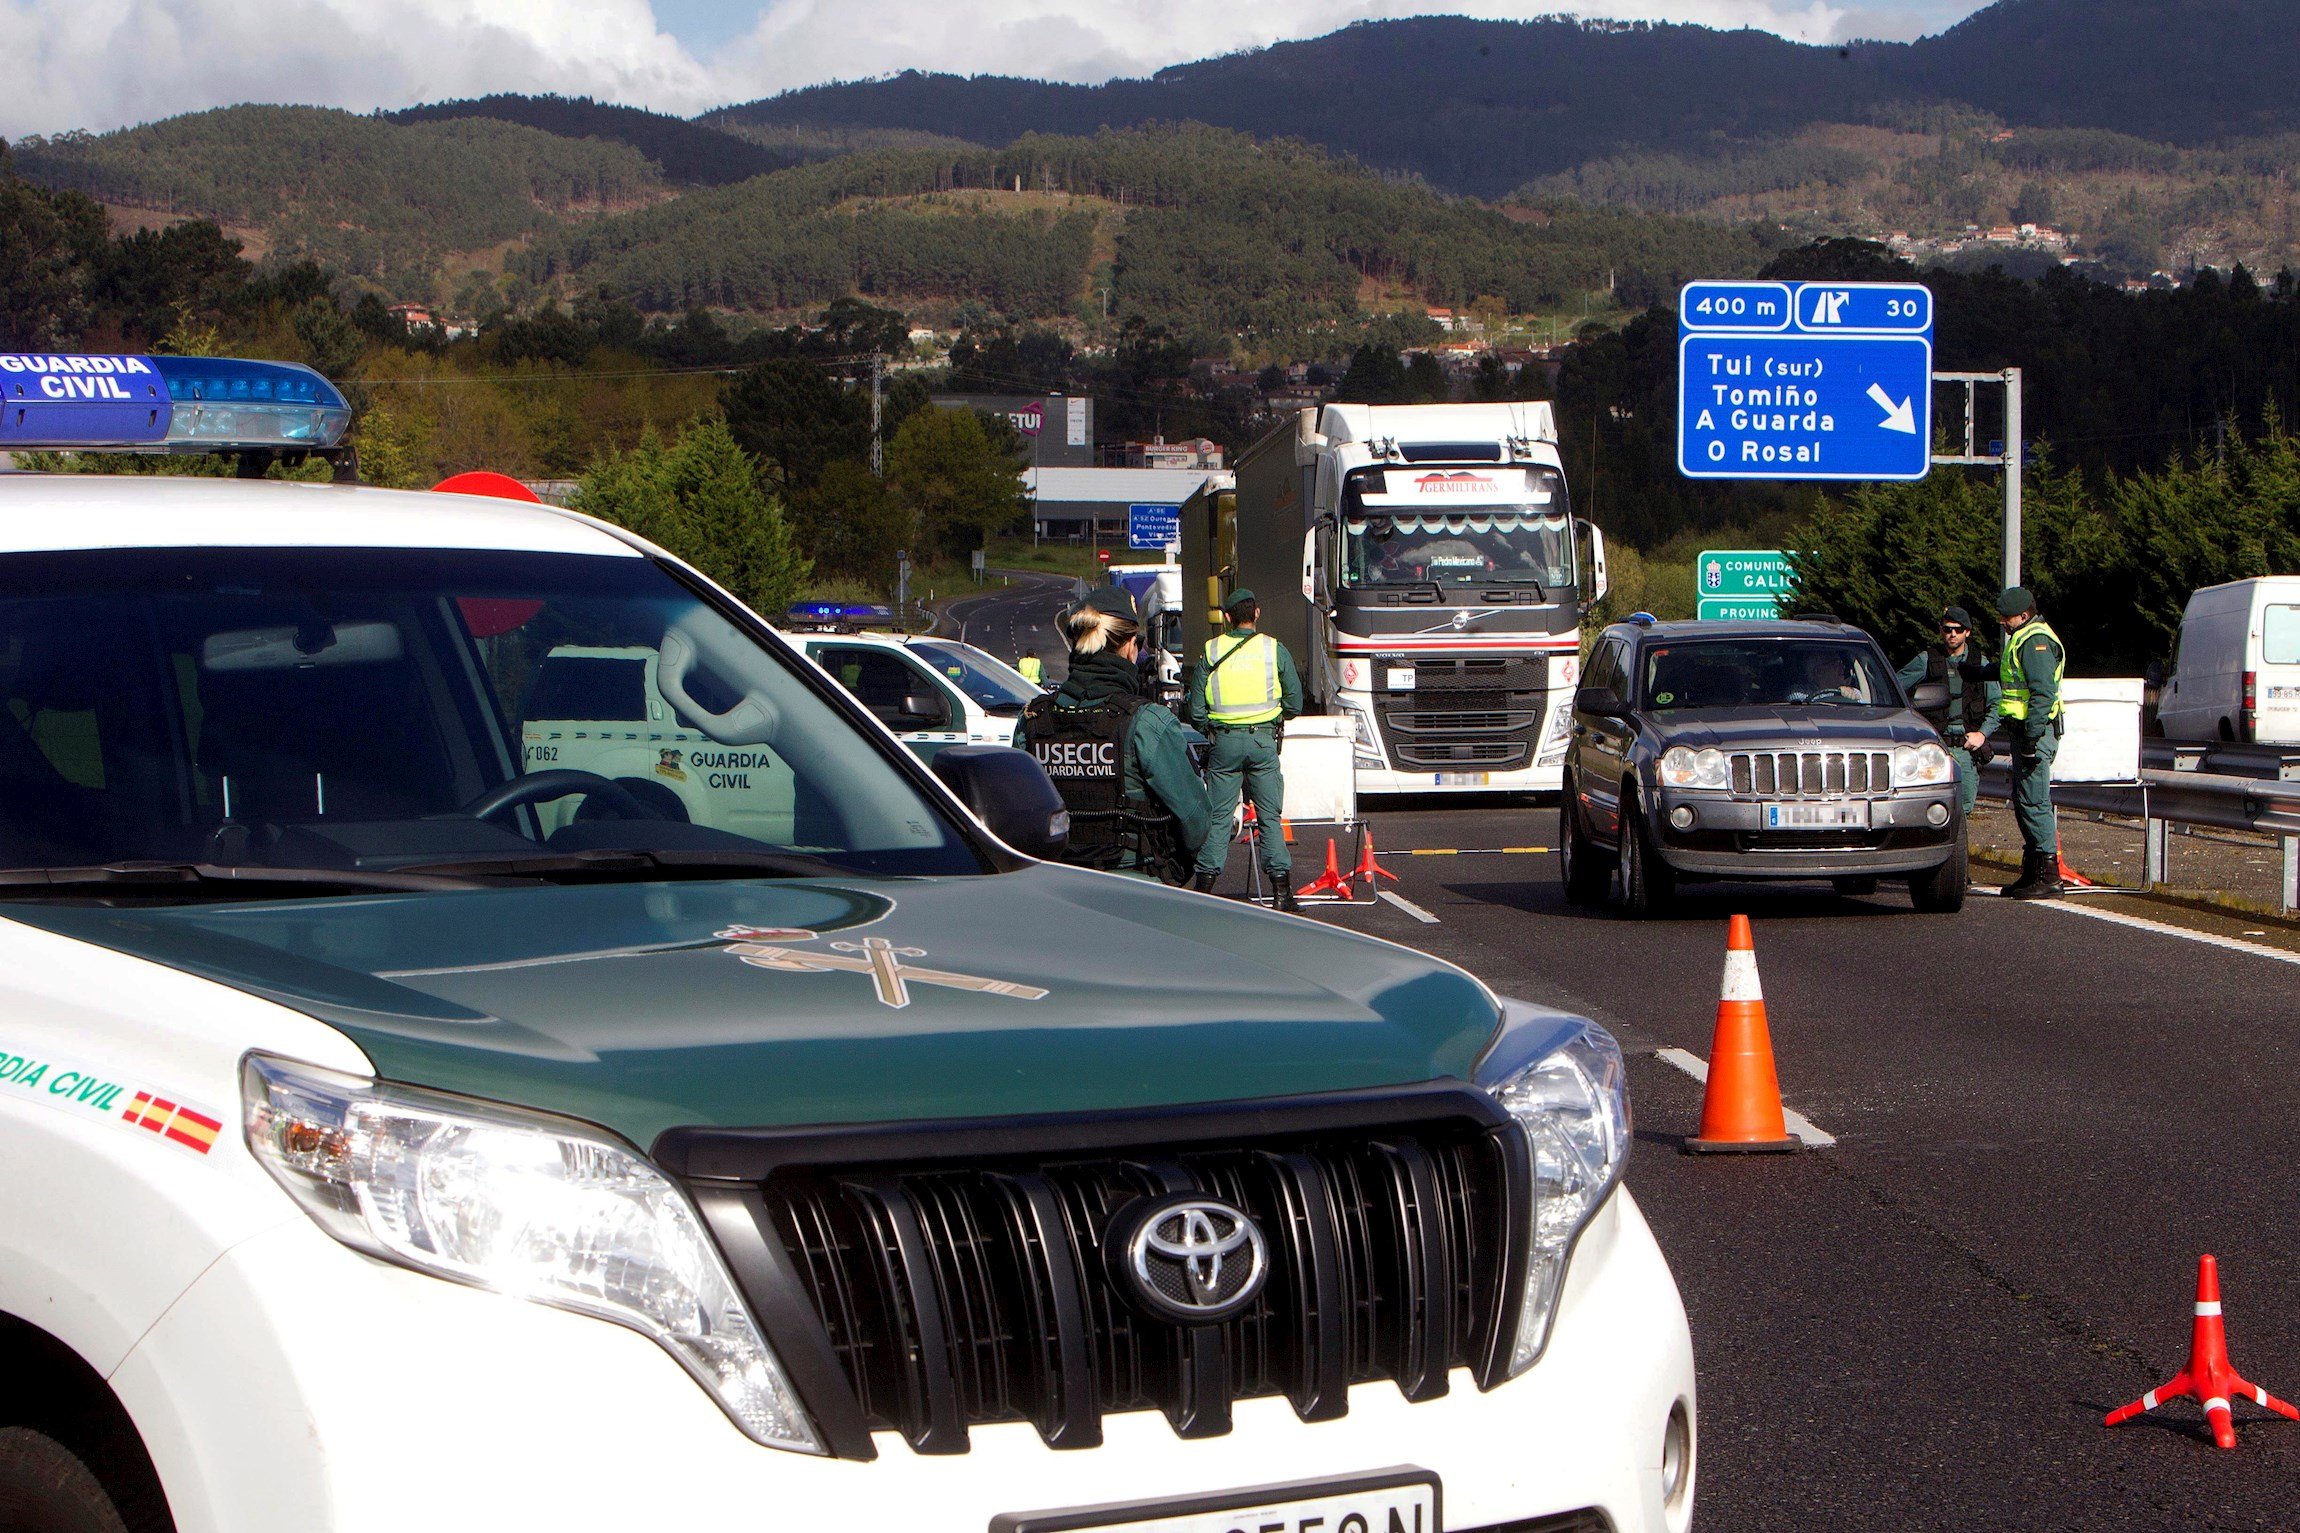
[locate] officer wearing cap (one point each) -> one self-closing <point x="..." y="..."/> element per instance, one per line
<point x="1120" y="762"/>
<point x="1970" y="715"/>
<point x="1245" y="690"/>
<point x="2029" y="676"/>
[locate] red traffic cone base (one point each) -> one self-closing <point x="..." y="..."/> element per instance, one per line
<point x="1741" y="1109"/>
<point x="1367" y="868"/>
<point x="1329" y="882"/>
<point x="2209" y="1376"/>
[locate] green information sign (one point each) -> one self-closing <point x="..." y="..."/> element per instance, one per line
<point x="1742" y="572"/>
<point x="1728" y="609"/>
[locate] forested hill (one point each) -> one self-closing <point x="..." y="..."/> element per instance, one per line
<point x="687" y="154"/>
<point x="1482" y="107"/>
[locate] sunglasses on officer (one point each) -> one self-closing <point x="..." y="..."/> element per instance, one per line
<point x="1954" y="628"/>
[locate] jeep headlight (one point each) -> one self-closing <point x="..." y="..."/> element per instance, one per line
<point x="1920" y="766"/>
<point x="524" y="1204"/>
<point x="1573" y="1104"/>
<point x="1684" y="767"/>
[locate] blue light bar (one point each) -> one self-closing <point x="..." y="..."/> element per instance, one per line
<point x="831" y="611"/>
<point x="166" y="404"/>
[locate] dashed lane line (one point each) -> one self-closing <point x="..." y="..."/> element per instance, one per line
<point x="1801" y="1128"/>
<point x="2142" y="923"/>
<point x="1410" y="908"/>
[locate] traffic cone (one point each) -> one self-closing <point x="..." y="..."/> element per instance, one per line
<point x="1367" y="868"/>
<point x="2209" y="1376"/>
<point x="1741" y="1110"/>
<point x="1330" y="881"/>
<point x="2068" y="875"/>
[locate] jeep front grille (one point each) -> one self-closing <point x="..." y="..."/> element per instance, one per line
<point x="1811" y="774"/>
<point x="946" y="1294"/>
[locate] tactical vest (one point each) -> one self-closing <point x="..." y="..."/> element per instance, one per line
<point x="1241" y="679"/>
<point x="1972" y="701"/>
<point x="2014" y="679"/>
<point x="1084" y="753"/>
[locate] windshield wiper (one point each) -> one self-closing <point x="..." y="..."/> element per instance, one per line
<point x="141" y="876"/>
<point x="607" y="864"/>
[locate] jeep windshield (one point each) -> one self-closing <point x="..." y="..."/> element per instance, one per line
<point x="990" y="681"/>
<point x="1457" y="527"/>
<point x="168" y="713"/>
<point x="1767" y="673"/>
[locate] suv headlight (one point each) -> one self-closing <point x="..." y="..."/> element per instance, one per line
<point x="524" y="1204"/>
<point x="1920" y="766"/>
<point x="1573" y="1104"/>
<point x="1684" y="767"/>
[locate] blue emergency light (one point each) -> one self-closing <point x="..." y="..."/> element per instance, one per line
<point x="166" y="404"/>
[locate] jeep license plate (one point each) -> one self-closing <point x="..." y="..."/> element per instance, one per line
<point x="1853" y="816"/>
<point x="1404" y="1499"/>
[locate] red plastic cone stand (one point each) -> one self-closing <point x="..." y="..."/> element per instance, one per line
<point x="2068" y="875"/>
<point x="2209" y="1376"/>
<point x="1367" y="868"/>
<point x="1329" y="882"/>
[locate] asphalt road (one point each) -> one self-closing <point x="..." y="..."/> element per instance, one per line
<point x="2041" y="1119"/>
<point x="1013" y="620"/>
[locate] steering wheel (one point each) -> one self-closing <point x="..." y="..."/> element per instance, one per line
<point x="542" y="787"/>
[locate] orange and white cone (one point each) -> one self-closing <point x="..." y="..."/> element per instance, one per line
<point x="1741" y="1110"/>
<point x="1329" y="882"/>
<point x="2209" y="1376"/>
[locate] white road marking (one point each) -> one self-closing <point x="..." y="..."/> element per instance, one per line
<point x="2165" y="928"/>
<point x="1410" y="908"/>
<point x="1801" y="1128"/>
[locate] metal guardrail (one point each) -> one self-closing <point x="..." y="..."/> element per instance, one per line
<point x="2223" y="758"/>
<point x="2162" y="798"/>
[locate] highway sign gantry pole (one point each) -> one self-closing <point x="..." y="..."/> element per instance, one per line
<point x="2010" y="459"/>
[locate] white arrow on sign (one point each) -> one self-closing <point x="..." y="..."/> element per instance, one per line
<point x="1898" y="417"/>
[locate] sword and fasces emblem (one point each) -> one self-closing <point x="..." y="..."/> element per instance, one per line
<point x="886" y="963"/>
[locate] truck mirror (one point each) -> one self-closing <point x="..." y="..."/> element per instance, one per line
<point x="1011" y="794"/>
<point x="1597" y="581"/>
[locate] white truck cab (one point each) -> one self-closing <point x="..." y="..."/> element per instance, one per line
<point x="2236" y="675"/>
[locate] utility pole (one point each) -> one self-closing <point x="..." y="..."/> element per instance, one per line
<point x="2009" y="459"/>
<point x="877" y="413"/>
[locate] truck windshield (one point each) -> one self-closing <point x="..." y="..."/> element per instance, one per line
<point x="990" y="681"/>
<point x="386" y="709"/>
<point x="1446" y="527"/>
<point x="1767" y="673"/>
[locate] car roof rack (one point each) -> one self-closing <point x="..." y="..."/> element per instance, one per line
<point x="1830" y="618"/>
<point x="258" y="413"/>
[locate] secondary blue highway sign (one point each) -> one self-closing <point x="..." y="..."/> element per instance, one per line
<point x="1807" y="380"/>
<point x="1149" y="527"/>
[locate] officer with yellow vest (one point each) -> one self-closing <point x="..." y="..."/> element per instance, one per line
<point x="2030" y="672"/>
<point x="1032" y="668"/>
<point x="1245" y="690"/>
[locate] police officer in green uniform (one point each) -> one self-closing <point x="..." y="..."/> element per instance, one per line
<point x="1244" y="691"/>
<point x="1032" y="668"/>
<point x="1971" y="715"/>
<point x="1120" y="761"/>
<point x="2029" y="674"/>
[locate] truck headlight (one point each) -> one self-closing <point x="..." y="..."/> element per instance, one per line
<point x="524" y="1204"/>
<point x="1573" y="1104"/>
<point x="1366" y="746"/>
<point x="1921" y="766"/>
<point x="1683" y="767"/>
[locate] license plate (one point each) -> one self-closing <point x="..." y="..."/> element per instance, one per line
<point x="1391" y="1501"/>
<point x="1401" y="678"/>
<point x="1853" y="816"/>
<point x="1464" y="779"/>
<point x="2284" y="694"/>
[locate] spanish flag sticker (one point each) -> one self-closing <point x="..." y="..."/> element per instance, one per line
<point x="196" y="1131"/>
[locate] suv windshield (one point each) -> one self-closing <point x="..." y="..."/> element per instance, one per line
<point x="1767" y="673"/>
<point x="981" y="675"/>
<point x="1457" y="527"/>
<point x="378" y="709"/>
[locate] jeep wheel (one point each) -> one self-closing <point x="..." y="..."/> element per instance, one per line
<point x="44" y="1488"/>
<point x="1942" y="891"/>
<point x="1647" y="884"/>
<point x="1585" y="872"/>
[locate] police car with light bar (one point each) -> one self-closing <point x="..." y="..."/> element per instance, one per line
<point x="403" y="1131"/>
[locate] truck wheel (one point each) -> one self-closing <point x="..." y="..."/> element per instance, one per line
<point x="1648" y="887"/>
<point x="44" y="1488"/>
<point x="1942" y="891"/>
<point x="1586" y="872"/>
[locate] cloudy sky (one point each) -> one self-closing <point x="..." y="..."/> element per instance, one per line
<point x="100" y="64"/>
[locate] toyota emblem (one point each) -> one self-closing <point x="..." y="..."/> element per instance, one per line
<point x="1189" y="1259"/>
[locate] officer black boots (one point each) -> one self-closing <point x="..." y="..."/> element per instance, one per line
<point x="1202" y="882"/>
<point x="1282" y="893"/>
<point x="2039" y="878"/>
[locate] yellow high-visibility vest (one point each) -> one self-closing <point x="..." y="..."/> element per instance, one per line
<point x="2014" y="679"/>
<point x="1031" y="667"/>
<point x="1241" y="679"/>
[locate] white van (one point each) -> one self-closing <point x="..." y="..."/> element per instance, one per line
<point x="2237" y="673"/>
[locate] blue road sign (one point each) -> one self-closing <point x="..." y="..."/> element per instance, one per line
<point x="1808" y="380"/>
<point x="1153" y="526"/>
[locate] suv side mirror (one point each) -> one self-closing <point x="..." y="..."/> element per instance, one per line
<point x="1601" y="702"/>
<point x="1011" y="793"/>
<point x="1929" y="696"/>
<point x="922" y="711"/>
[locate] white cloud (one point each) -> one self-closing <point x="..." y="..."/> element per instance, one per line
<point x="99" y="64"/>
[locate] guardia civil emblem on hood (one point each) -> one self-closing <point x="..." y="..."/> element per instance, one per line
<point x="881" y="958"/>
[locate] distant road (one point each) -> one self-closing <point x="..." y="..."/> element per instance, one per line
<point x="1014" y="620"/>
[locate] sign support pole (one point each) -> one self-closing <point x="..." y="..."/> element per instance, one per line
<point x="2009" y="460"/>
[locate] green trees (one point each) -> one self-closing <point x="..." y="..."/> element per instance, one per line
<point x="48" y="239"/>
<point x="702" y="498"/>
<point x="965" y="488"/>
<point x="795" y="419"/>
